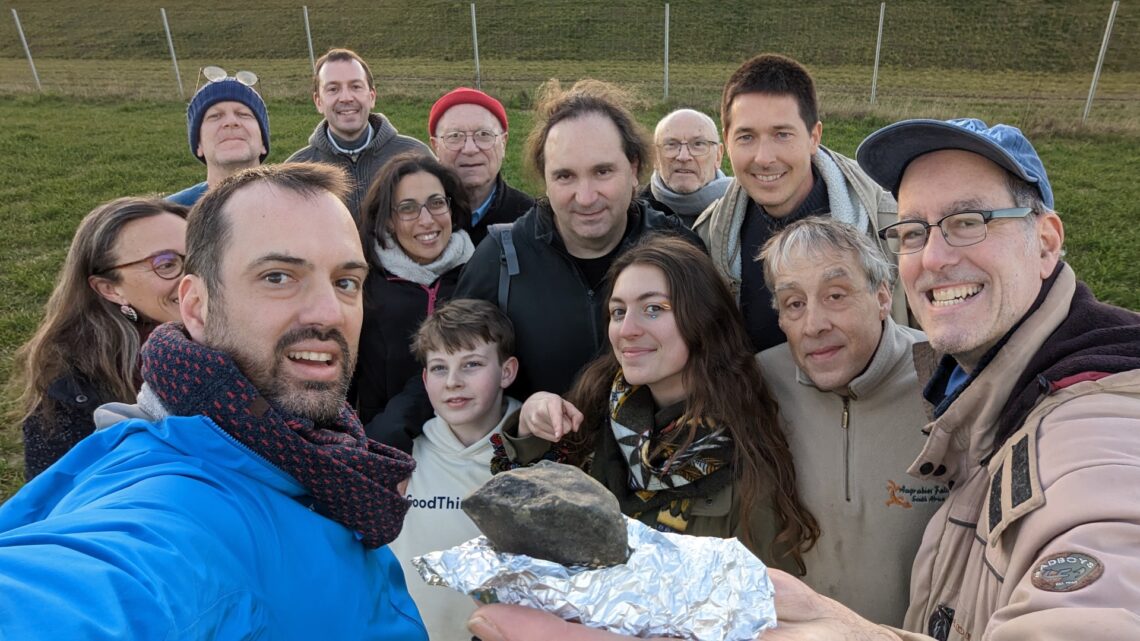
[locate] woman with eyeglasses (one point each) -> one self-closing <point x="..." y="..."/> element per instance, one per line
<point x="411" y="225"/>
<point x="118" y="282"/>
<point x="675" y="418"/>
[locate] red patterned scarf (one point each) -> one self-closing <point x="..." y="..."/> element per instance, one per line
<point x="352" y="479"/>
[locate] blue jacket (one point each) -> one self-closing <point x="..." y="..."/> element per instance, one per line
<point x="192" y="194"/>
<point x="174" y="530"/>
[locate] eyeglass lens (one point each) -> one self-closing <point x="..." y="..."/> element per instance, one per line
<point x="167" y="266"/>
<point x="214" y="73"/>
<point x="455" y="140"/>
<point x="959" y="230"/>
<point x="696" y="147"/>
<point x="410" y="209"/>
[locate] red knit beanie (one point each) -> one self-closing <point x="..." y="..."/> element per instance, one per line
<point x="465" y="96"/>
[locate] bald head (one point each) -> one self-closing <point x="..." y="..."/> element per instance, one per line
<point x="681" y="169"/>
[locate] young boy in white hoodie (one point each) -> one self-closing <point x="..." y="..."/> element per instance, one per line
<point x="467" y="350"/>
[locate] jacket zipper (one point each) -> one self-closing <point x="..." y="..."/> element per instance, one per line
<point x="847" y="448"/>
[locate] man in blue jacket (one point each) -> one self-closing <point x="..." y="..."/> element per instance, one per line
<point x="239" y="498"/>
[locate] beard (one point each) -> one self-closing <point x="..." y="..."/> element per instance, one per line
<point x="318" y="401"/>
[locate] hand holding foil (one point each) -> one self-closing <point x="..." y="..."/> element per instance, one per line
<point x="700" y="588"/>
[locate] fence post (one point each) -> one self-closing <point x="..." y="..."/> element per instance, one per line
<point x="475" y="47"/>
<point x="1100" y="59"/>
<point x="27" y="51"/>
<point x="666" y="97"/>
<point x="309" y="39"/>
<point x="878" y="48"/>
<point x="174" y="58"/>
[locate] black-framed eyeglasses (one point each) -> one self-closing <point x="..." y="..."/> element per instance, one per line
<point x="410" y="209"/>
<point x="214" y="73"/>
<point x="672" y="149"/>
<point x="455" y="140"/>
<point x="960" y="229"/>
<point x="166" y="264"/>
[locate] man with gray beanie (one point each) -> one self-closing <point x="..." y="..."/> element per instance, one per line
<point x="228" y="127"/>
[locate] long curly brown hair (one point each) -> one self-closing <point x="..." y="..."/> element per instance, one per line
<point x="723" y="384"/>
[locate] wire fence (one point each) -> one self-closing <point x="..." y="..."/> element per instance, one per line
<point x="1030" y="55"/>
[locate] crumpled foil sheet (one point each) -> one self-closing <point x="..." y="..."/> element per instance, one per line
<point x="693" y="587"/>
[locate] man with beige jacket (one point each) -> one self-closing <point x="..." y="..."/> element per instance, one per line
<point x="1036" y="404"/>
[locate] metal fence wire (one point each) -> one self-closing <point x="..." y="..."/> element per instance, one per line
<point x="930" y="51"/>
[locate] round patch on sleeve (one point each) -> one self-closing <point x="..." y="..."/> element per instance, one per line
<point x="1066" y="572"/>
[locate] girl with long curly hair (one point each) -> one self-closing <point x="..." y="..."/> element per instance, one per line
<point x="675" y="419"/>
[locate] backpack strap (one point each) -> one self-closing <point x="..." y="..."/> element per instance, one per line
<point x="508" y="260"/>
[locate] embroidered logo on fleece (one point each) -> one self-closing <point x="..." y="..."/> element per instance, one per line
<point x="1067" y="572"/>
<point x="906" y="496"/>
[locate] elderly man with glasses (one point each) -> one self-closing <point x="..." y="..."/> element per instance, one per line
<point x="468" y="130"/>
<point x="686" y="165"/>
<point x="1036" y="424"/>
<point x="228" y="127"/>
<point x="1036" y="396"/>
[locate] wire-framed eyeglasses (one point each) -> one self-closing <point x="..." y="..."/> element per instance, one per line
<point x="672" y="148"/>
<point x="960" y="229"/>
<point x="410" y="209"/>
<point x="455" y="140"/>
<point x="166" y="264"/>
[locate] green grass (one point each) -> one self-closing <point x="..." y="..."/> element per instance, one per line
<point x="111" y="121"/>
<point x="1025" y="61"/>
<point x="1026" y="35"/>
<point x="60" y="156"/>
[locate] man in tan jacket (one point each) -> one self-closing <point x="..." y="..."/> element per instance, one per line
<point x="1036" y="404"/>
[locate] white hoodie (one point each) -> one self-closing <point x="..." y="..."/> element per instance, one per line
<point x="446" y="472"/>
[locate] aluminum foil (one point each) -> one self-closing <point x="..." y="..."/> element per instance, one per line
<point x="701" y="588"/>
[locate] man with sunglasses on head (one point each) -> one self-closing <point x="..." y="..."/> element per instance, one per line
<point x="228" y="127"/>
<point x="468" y="130"/>
<point x="1035" y="387"/>
<point x="686" y="165"/>
<point x="351" y="136"/>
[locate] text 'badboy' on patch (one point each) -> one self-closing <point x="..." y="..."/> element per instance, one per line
<point x="1066" y="572"/>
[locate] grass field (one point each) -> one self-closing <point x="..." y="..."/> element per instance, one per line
<point x="1025" y="60"/>
<point x="111" y="121"/>
<point x="60" y="156"/>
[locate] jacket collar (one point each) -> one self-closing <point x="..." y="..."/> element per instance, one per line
<point x="547" y="232"/>
<point x="383" y="131"/>
<point x="963" y="434"/>
<point x="895" y="344"/>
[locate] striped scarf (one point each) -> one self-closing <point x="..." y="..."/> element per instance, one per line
<point x="352" y="479"/>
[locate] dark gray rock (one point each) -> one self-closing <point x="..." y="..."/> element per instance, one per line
<point x="551" y="511"/>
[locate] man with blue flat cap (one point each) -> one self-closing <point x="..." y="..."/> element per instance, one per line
<point x="228" y="127"/>
<point x="1035" y="394"/>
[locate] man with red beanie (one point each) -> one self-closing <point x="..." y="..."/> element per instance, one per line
<point x="468" y="130"/>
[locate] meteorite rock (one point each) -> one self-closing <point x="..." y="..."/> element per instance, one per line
<point x="551" y="511"/>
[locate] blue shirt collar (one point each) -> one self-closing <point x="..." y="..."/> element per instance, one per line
<point x="481" y="210"/>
